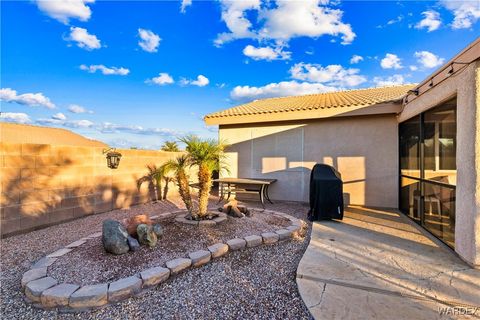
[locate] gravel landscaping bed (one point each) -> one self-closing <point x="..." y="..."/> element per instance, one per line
<point x="250" y="284"/>
<point x="90" y="264"/>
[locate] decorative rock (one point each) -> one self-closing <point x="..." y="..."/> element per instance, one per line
<point x="220" y="219"/>
<point x="293" y="228"/>
<point x="235" y="212"/>
<point x="58" y="296"/>
<point x="59" y="253"/>
<point x="253" y="241"/>
<point x="132" y="223"/>
<point x="75" y="244"/>
<point x="146" y="235"/>
<point x="124" y="288"/>
<point x="34" y="289"/>
<point x="270" y="237"/>
<point x="33" y="274"/>
<point x="218" y="249"/>
<point x="44" y="262"/>
<point x="89" y="297"/>
<point x="199" y="257"/>
<point x="178" y="265"/>
<point x="207" y="223"/>
<point x="114" y="237"/>
<point x="283" y="234"/>
<point x="248" y="213"/>
<point x="133" y="243"/>
<point x="186" y="221"/>
<point x="154" y="276"/>
<point x="297" y="222"/>
<point x="236" y="244"/>
<point x="157" y="229"/>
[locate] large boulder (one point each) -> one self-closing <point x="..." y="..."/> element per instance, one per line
<point x="114" y="237"/>
<point x="132" y="223"/>
<point x="146" y="235"/>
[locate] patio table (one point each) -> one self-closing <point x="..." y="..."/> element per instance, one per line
<point x="245" y="185"/>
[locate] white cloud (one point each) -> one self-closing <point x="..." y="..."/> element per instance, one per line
<point x="391" y="61"/>
<point x="266" y="53"/>
<point x="284" y="88"/>
<point x="162" y="79"/>
<point x="105" y="70"/>
<point x="149" y="41"/>
<point x="431" y="21"/>
<point x="428" y="59"/>
<point x="201" y="81"/>
<point x="396" y="79"/>
<point x="15" y="117"/>
<point x="185" y="4"/>
<point x="65" y="10"/>
<point x="79" y="124"/>
<point x="288" y="19"/>
<point x="466" y="13"/>
<point x="333" y="75"/>
<point x="413" y="68"/>
<point x="59" y="116"/>
<point x="28" y="99"/>
<point x="356" y="59"/>
<point x="83" y="39"/>
<point x="396" y="20"/>
<point x="108" y="127"/>
<point x="75" y="108"/>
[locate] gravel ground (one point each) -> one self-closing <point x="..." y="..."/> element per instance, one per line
<point x="249" y="284"/>
<point x="90" y="264"/>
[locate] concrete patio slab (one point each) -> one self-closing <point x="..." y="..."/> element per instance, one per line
<point x="377" y="263"/>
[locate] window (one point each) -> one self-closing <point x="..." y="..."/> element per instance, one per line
<point x="428" y="173"/>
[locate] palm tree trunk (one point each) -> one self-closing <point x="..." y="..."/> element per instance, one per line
<point x="184" y="190"/>
<point x="205" y="182"/>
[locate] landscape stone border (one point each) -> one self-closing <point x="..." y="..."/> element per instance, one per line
<point x="222" y="217"/>
<point x="45" y="292"/>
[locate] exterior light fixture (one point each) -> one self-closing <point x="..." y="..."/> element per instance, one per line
<point x="451" y="71"/>
<point x="415" y="92"/>
<point x="113" y="158"/>
<point x="431" y="83"/>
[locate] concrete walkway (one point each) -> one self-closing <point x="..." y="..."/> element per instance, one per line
<point x="377" y="264"/>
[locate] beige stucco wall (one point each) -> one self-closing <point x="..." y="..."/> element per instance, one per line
<point x="364" y="149"/>
<point x="466" y="86"/>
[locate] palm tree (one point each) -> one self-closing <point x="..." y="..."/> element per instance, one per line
<point x="153" y="177"/>
<point x="170" y="146"/>
<point x="179" y="166"/>
<point x="208" y="155"/>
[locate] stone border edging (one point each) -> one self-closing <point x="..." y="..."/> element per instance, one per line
<point x="44" y="291"/>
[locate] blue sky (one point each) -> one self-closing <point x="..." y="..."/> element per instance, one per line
<point x="139" y="73"/>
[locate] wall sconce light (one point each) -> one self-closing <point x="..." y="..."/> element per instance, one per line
<point x="113" y="158"/>
<point x="451" y="71"/>
<point x="431" y="83"/>
<point x="415" y="92"/>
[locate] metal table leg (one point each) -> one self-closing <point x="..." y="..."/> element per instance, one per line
<point x="266" y="193"/>
<point x="262" y="193"/>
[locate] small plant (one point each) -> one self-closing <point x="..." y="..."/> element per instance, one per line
<point x="170" y="146"/>
<point x="207" y="155"/>
<point x="180" y="166"/>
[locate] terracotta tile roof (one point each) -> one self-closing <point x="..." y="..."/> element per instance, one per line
<point x="315" y="102"/>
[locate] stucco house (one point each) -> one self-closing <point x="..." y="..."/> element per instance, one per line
<point x="411" y="147"/>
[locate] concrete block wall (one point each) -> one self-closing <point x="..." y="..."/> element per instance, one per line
<point x="44" y="184"/>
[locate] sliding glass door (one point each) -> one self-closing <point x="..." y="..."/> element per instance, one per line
<point x="428" y="172"/>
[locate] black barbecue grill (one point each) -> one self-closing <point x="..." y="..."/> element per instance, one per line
<point x="326" y="193"/>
